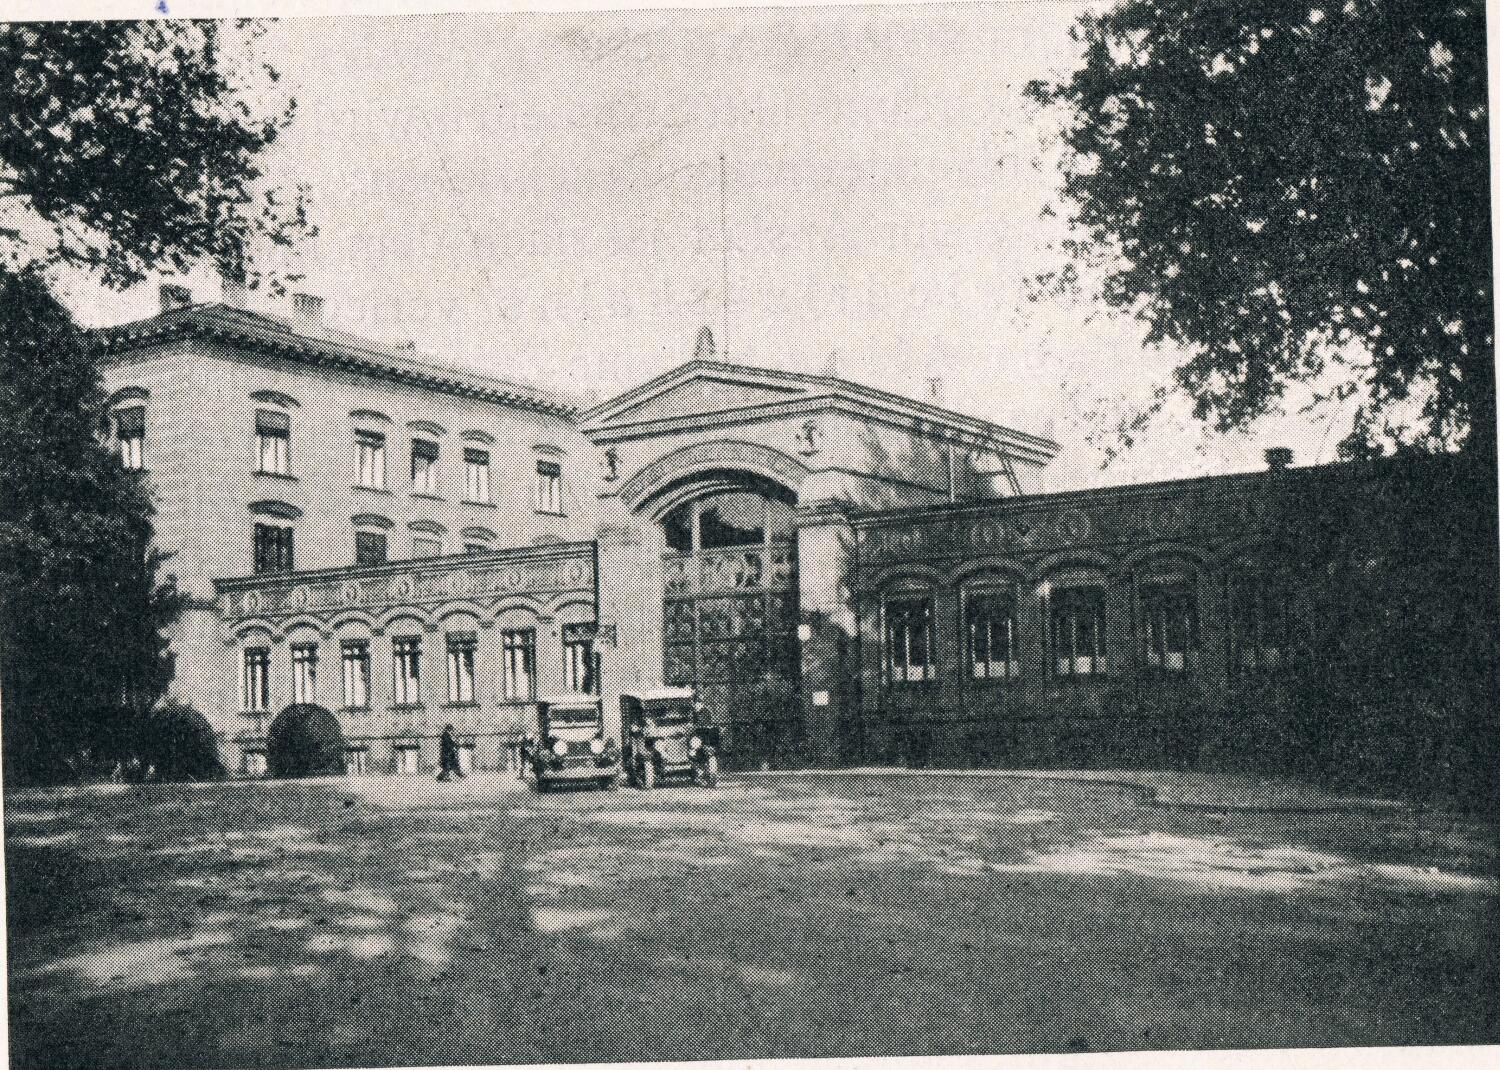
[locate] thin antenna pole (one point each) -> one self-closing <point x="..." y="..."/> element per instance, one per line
<point x="724" y="250"/>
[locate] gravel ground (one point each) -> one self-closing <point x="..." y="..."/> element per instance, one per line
<point x="379" y="922"/>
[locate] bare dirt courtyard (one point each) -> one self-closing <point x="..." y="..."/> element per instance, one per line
<point x="384" y="922"/>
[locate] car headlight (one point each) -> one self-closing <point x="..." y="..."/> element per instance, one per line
<point x="695" y="743"/>
<point x="597" y="746"/>
<point x="559" y="748"/>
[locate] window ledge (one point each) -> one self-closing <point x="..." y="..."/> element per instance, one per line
<point x="287" y="476"/>
<point x="354" y="709"/>
<point x="551" y="512"/>
<point x="482" y="505"/>
<point x="408" y="706"/>
<point x="993" y="681"/>
<point x="429" y="496"/>
<point x="372" y="490"/>
<point x="460" y="705"/>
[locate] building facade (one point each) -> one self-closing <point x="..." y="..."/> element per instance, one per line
<point x="411" y="545"/>
<point x="845" y="575"/>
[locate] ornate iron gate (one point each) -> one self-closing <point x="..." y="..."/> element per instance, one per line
<point x="731" y="632"/>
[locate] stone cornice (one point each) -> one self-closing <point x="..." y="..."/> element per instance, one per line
<point x="263" y="336"/>
<point x="512" y="555"/>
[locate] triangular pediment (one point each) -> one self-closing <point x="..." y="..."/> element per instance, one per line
<point x="698" y="389"/>
<point x="704" y="394"/>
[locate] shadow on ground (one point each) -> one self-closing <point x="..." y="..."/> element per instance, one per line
<point x="400" y="922"/>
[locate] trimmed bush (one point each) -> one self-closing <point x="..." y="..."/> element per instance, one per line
<point x="305" y="740"/>
<point x="176" y="742"/>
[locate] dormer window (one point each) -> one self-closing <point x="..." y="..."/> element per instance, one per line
<point x="130" y="436"/>
<point x="273" y="432"/>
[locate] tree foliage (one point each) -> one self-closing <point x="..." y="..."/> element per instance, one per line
<point x="305" y="740"/>
<point x="1294" y="191"/>
<point x="82" y="608"/>
<point x="125" y="148"/>
<point x="132" y="147"/>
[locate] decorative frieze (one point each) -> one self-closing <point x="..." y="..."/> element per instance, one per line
<point x="539" y="572"/>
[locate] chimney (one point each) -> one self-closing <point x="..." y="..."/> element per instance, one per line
<point x="307" y="308"/>
<point x="1278" y="458"/>
<point x="935" y="390"/>
<point x="173" y="295"/>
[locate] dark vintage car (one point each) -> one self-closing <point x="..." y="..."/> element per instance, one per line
<point x="570" y="746"/>
<point x="664" y="739"/>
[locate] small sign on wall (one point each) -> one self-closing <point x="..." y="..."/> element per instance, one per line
<point x="804" y="632"/>
<point x="820" y="698"/>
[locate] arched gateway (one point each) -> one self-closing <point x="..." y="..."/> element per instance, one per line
<point x="730" y="608"/>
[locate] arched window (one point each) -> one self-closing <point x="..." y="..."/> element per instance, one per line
<point x="1259" y="617"/>
<point x="908" y="647"/>
<point x="1168" y="632"/>
<point x="1076" y="623"/>
<point x="991" y="650"/>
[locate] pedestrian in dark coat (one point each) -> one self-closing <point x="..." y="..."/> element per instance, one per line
<point x="449" y="755"/>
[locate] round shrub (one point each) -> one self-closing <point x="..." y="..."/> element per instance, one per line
<point x="176" y="742"/>
<point x="304" y="740"/>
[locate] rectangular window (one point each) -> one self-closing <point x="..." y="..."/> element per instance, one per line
<point x="273" y="548"/>
<point x="1169" y="625"/>
<point x="370" y="459"/>
<point x="369" y="548"/>
<point x="580" y="671"/>
<point x="426" y="546"/>
<point x="548" y="487"/>
<point x="518" y="671"/>
<point x="424" y="459"/>
<point x="305" y="672"/>
<point x="255" y="680"/>
<point x="908" y="641"/>
<point x="990" y="629"/>
<point x="130" y="434"/>
<point x="1259" y="619"/>
<point x="356" y="674"/>
<point x="407" y="666"/>
<point x="273" y="433"/>
<point x="461" y="668"/>
<point x="1078" y="631"/>
<point x="476" y="475"/>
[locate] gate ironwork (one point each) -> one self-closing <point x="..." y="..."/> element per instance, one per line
<point x="731" y="633"/>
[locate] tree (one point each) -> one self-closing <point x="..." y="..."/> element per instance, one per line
<point x="82" y="610"/>
<point x="126" y="148"/>
<point x="1294" y="191"/>
<point x="132" y="147"/>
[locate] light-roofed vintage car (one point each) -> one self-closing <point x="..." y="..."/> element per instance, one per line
<point x="665" y="739"/>
<point x="570" y="746"/>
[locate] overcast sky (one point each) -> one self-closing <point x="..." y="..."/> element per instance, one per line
<point x="540" y="196"/>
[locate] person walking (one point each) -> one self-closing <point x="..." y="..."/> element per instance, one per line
<point x="449" y="755"/>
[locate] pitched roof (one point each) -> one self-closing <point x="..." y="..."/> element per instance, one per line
<point x="757" y="393"/>
<point x="319" y="345"/>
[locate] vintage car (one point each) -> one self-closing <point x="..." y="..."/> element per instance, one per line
<point x="664" y="739"/>
<point x="570" y="746"/>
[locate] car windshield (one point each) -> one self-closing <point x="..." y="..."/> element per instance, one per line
<point x="572" y="718"/>
<point x="675" y="717"/>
